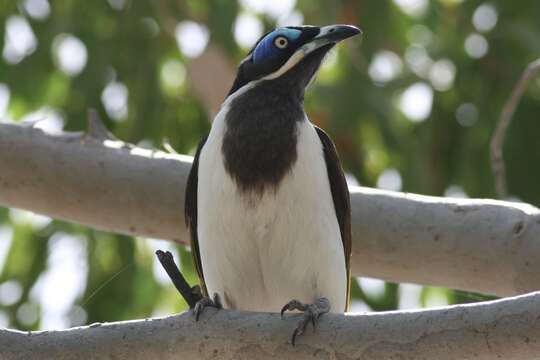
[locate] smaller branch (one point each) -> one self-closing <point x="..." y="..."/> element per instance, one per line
<point x="190" y="294"/>
<point x="168" y="147"/>
<point x="497" y="141"/>
<point x="96" y="128"/>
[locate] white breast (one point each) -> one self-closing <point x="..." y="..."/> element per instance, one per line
<point x="257" y="252"/>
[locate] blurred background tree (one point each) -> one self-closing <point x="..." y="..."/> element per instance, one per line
<point x="411" y="108"/>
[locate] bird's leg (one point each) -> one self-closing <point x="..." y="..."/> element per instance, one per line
<point x="312" y="312"/>
<point x="206" y="302"/>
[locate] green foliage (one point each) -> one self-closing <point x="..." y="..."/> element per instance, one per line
<point x="133" y="46"/>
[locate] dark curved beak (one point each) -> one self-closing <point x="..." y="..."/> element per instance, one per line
<point x="336" y="33"/>
<point x="331" y="34"/>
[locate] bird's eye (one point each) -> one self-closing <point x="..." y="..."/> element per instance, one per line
<point x="281" y="42"/>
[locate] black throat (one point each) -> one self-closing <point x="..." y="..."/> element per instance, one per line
<point x="259" y="145"/>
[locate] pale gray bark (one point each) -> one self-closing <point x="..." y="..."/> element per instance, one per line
<point x="506" y="329"/>
<point x="476" y="245"/>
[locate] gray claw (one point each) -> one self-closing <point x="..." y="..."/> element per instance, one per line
<point x="292" y="305"/>
<point x="206" y="302"/>
<point x="312" y="312"/>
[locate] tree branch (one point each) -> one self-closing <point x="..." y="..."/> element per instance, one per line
<point x="507" y="329"/>
<point x="475" y="245"/>
<point x="497" y="140"/>
<point x="190" y="294"/>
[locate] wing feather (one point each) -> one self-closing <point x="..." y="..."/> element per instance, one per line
<point x="340" y="195"/>
<point x="190" y="213"/>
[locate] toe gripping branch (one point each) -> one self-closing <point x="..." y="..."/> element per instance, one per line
<point x="192" y="295"/>
<point x="311" y="314"/>
<point x="206" y="302"/>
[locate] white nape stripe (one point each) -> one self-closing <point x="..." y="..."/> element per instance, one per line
<point x="293" y="60"/>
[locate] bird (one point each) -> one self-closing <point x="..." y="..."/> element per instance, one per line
<point x="266" y="202"/>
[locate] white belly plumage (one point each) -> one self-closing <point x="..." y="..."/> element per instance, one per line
<point x="259" y="252"/>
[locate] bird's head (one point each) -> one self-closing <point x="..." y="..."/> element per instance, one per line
<point x="292" y="54"/>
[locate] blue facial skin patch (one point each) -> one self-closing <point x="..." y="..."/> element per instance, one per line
<point x="266" y="48"/>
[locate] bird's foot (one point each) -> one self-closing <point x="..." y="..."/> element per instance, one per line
<point x="206" y="302"/>
<point x="312" y="312"/>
